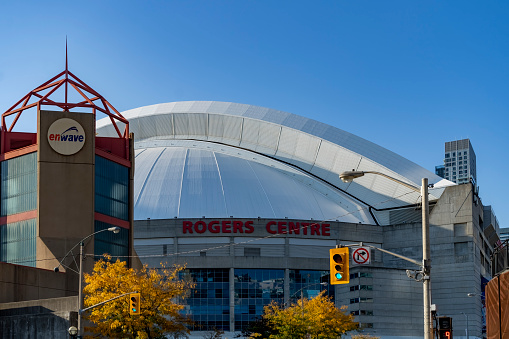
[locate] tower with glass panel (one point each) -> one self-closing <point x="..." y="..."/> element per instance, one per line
<point x="62" y="183"/>
<point x="459" y="162"/>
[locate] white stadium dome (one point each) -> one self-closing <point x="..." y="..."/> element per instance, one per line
<point x="218" y="159"/>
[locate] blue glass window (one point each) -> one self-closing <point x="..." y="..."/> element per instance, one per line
<point x="309" y="284"/>
<point x="115" y="244"/>
<point x="18" y="242"/>
<point x="209" y="302"/>
<point x="19" y="184"/>
<point x="111" y="188"/>
<point x="255" y="288"/>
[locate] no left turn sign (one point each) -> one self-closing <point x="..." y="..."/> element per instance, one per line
<point x="361" y="256"/>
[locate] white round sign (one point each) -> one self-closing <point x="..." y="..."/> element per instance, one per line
<point x="66" y="136"/>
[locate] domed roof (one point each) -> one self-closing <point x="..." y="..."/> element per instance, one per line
<point x="217" y="159"/>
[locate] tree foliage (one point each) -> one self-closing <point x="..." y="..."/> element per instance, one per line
<point x="160" y="292"/>
<point x="315" y="318"/>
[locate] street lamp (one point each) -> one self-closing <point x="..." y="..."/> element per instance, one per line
<point x="466" y="328"/>
<point x="115" y="230"/>
<point x="349" y="176"/>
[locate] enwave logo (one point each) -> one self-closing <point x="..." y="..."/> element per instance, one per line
<point x="68" y="137"/>
<point x="68" y="142"/>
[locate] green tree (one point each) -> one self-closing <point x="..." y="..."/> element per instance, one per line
<point x="315" y="318"/>
<point x="161" y="290"/>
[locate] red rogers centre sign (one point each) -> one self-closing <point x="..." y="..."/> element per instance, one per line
<point x="239" y="227"/>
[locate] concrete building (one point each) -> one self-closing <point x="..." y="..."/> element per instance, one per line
<point x="59" y="186"/>
<point x="250" y="200"/>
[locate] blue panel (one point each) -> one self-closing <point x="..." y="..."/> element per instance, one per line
<point x="309" y="284"/>
<point x="18" y="242"/>
<point x="111" y="188"/>
<point x="209" y="302"/>
<point x="255" y="288"/>
<point x="115" y="244"/>
<point x="19" y="184"/>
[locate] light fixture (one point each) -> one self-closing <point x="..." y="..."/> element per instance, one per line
<point x="348" y="176"/>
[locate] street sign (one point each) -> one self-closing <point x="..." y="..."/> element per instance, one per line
<point x="361" y="255"/>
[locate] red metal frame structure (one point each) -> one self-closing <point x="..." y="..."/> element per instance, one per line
<point x="92" y="100"/>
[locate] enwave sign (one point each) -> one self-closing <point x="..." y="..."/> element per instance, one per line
<point x="66" y="136"/>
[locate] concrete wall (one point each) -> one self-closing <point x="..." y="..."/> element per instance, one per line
<point x="22" y="283"/>
<point x="65" y="194"/>
<point x="48" y="318"/>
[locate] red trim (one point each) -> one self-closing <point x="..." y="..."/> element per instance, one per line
<point x="111" y="220"/>
<point x="113" y="157"/>
<point x="18" y="152"/>
<point x="18" y="217"/>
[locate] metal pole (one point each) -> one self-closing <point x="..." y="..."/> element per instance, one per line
<point x="466" y="328"/>
<point x="80" y="305"/>
<point x="428" y="326"/>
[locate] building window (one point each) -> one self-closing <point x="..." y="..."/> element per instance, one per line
<point x="18" y="189"/>
<point x="361" y="287"/>
<point x="111" y="188"/>
<point x="18" y="242"/>
<point x="255" y="288"/>
<point x="251" y="251"/>
<point x="209" y="301"/>
<point x="114" y="244"/>
<point x="361" y="275"/>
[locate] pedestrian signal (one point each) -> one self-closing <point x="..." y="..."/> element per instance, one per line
<point x="135" y="303"/>
<point x="445" y="327"/>
<point x="339" y="266"/>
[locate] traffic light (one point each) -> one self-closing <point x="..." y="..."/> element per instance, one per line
<point x="135" y="303"/>
<point x="339" y="266"/>
<point x="445" y="327"/>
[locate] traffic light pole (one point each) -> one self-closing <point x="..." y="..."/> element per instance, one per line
<point x="426" y="261"/>
<point x="104" y="302"/>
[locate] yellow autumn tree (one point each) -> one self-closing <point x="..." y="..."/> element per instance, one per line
<point x="161" y="294"/>
<point x="315" y="318"/>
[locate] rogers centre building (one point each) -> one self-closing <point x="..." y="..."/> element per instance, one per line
<point x="250" y="200"/>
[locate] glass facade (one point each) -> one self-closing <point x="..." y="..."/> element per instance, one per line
<point x="255" y="288"/>
<point x="309" y="284"/>
<point x="18" y="188"/>
<point x="209" y="302"/>
<point x="18" y="242"/>
<point x="111" y="188"/>
<point x="117" y="245"/>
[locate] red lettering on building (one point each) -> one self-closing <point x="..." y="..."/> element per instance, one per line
<point x="201" y="224"/>
<point x="237" y="226"/>
<point x="214" y="226"/>
<point x="269" y="224"/>
<point x="293" y="228"/>
<point x="249" y="227"/>
<point x="187" y="226"/>
<point x="304" y="227"/>
<point x="272" y="227"/>
<point x="281" y="227"/>
<point x="315" y="229"/>
<point x="226" y="226"/>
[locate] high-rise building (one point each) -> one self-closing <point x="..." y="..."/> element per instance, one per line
<point x="459" y="162"/>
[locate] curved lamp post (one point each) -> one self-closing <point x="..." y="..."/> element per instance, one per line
<point x="349" y="176"/>
<point x="81" y="243"/>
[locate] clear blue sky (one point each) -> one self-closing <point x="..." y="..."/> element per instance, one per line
<point x="407" y="75"/>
